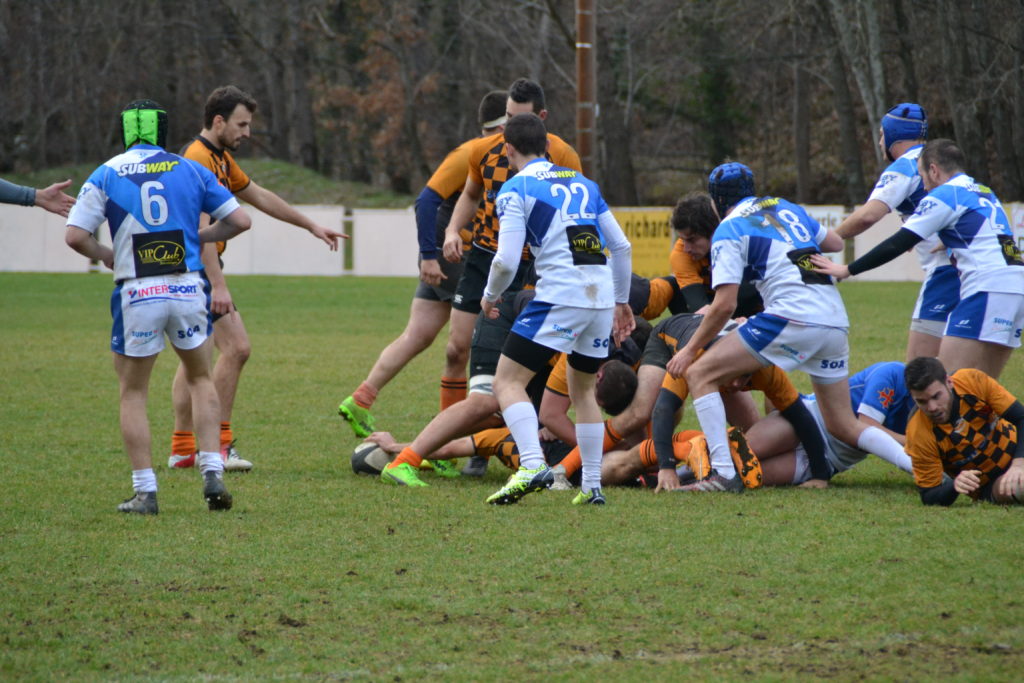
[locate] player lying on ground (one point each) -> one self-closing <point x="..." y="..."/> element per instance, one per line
<point x="965" y="437"/>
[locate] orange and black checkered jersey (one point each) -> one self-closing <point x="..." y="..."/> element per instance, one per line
<point x="221" y="163"/>
<point x="488" y="167"/>
<point x="688" y="270"/>
<point x="977" y="438"/>
<point x="448" y="181"/>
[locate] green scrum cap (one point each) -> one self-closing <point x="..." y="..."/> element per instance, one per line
<point x="144" y="121"/>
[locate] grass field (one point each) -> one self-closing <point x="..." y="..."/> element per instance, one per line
<point x="319" y="574"/>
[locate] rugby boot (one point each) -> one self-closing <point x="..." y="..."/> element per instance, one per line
<point x="714" y="482"/>
<point x="214" y="492"/>
<point x="142" y="503"/>
<point x="442" y="468"/>
<point x="744" y="459"/>
<point x="182" y="461"/>
<point x="476" y="467"/>
<point x="522" y="482"/>
<point x="403" y="474"/>
<point x="358" y="417"/>
<point x="232" y="461"/>
<point x="591" y="497"/>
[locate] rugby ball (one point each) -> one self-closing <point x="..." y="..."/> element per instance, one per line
<point x="369" y="458"/>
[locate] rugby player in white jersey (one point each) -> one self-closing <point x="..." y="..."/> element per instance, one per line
<point x="582" y="300"/>
<point x="803" y="327"/>
<point x="899" y="188"/>
<point x="153" y="200"/>
<point x="985" y="327"/>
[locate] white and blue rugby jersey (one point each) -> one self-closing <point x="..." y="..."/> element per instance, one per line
<point x="973" y="226"/>
<point x="152" y="200"/>
<point x="900" y="188"/>
<point x="769" y="241"/>
<point x="563" y="217"/>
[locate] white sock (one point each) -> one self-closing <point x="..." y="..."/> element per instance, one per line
<point x="521" y="420"/>
<point x="590" y="439"/>
<point x="144" y="481"/>
<point x="210" y="461"/>
<point x="711" y="414"/>
<point x="875" y="440"/>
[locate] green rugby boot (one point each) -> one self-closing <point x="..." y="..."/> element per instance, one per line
<point x="359" y="418"/>
<point x="401" y="475"/>
<point x="442" y="468"/>
<point x="522" y="482"/>
<point x="591" y="497"/>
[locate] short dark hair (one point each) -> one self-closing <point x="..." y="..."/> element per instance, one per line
<point x="945" y="154"/>
<point x="492" y="108"/>
<point x="525" y="90"/>
<point x="223" y="101"/>
<point x="526" y="132"/>
<point x="695" y="213"/>
<point x="616" y="388"/>
<point x="921" y="372"/>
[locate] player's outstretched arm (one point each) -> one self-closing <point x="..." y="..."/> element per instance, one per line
<point x="862" y="218"/>
<point x="270" y="203"/>
<point x="54" y="200"/>
<point x="663" y="424"/>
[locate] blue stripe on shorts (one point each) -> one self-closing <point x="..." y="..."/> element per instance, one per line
<point x="967" y="318"/>
<point x="117" y="332"/>
<point x="531" y="319"/>
<point x="941" y="294"/>
<point x="759" y="331"/>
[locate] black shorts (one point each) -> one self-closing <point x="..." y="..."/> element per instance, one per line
<point x="476" y="266"/>
<point x="446" y="290"/>
<point x="214" y="317"/>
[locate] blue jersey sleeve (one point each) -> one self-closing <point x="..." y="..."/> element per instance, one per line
<point x="884" y="396"/>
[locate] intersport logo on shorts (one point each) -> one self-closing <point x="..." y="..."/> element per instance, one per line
<point x="162" y="290"/>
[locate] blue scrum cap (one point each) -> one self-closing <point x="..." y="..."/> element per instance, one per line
<point x="728" y="184"/>
<point x="905" y="121"/>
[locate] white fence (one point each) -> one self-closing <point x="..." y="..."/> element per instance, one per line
<point x="383" y="243"/>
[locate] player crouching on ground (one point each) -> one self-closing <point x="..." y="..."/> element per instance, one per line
<point x="153" y="200"/>
<point x="582" y="300"/>
<point x="964" y="437"/>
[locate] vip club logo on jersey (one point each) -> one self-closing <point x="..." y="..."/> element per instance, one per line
<point x="925" y="206"/>
<point x="161" y="254"/>
<point x="886" y="179"/>
<point x="146" y="168"/>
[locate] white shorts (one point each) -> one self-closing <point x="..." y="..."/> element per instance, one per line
<point x="587" y="331"/>
<point x="144" y="309"/>
<point x="822" y="352"/>
<point x="993" y="317"/>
